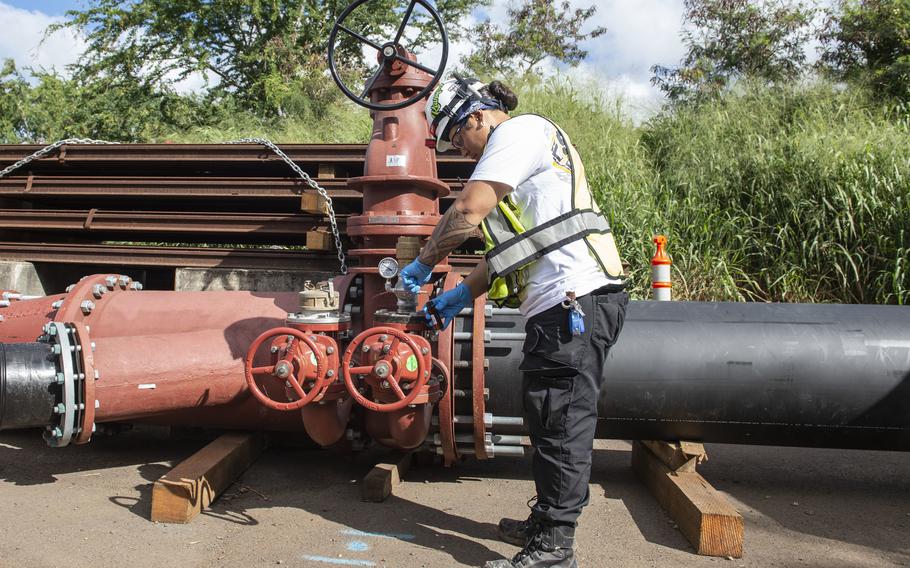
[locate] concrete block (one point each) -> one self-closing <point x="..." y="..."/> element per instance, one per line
<point x="22" y="277"/>
<point x="196" y="279"/>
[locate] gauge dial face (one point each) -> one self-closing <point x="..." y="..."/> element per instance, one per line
<point x="388" y="267"/>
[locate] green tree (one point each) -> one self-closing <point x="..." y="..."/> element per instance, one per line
<point x="536" y="30"/>
<point x="870" y="40"/>
<point x="263" y="53"/>
<point x="728" y="39"/>
<point x="40" y="106"/>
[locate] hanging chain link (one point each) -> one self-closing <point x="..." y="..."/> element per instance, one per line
<point x="47" y="150"/>
<point x="263" y="141"/>
<point x="310" y="182"/>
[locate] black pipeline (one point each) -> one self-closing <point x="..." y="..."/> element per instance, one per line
<point x="815" y="375"/>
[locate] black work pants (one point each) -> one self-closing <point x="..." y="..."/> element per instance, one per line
<point x="561" y="378"/>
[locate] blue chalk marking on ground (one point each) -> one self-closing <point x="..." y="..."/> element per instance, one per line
<point x="358" y="546"/>
<point x="338" y="561"/>
<point x="399" y="536"/>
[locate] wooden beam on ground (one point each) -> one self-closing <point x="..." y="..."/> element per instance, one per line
<point x="181" y="494"/>
<point x="379" y="483"/>
<point x="703" y="515"/>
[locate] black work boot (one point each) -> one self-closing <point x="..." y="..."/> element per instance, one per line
<point x="549" y="547"/>
<point x="515" y="531"/>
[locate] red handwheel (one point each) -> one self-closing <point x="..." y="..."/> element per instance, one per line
<point x="291" y="366"/>
<point x="389" y="372"/>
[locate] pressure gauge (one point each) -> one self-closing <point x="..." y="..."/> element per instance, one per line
<point x="388" y="267"/>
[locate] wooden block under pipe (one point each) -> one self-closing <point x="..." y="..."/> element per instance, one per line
<point x="378" y="484"/>
<point x="181" y="494"/>
<point x="703" y="515"/>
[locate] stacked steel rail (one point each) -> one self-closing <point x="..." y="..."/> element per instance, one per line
<point x="152" y="205"/>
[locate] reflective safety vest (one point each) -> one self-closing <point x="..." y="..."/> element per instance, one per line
<point x="511" y="248"/>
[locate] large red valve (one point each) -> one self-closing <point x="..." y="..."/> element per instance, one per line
<point x="397" y="362"/>
<point x="303" y="362"/>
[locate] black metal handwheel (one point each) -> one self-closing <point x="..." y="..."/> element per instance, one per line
<point x="388" y="53"/>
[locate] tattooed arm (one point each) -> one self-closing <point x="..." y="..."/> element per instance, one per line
<point x="462" y="219"/>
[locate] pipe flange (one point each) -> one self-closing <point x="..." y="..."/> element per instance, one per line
<point x="74" y="411"/>
<point x="319" y="318"/>
<point x="87" y="296"/>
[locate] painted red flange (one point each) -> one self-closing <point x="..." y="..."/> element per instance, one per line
<point x="88" y="383"/>
<point x="289" y="358"/>
<point x="395" y="367"/>
<point x="445" y="346"/>
<point x="478" y="378"/>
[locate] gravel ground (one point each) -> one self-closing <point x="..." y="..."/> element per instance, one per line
<point x="89" y="506"/>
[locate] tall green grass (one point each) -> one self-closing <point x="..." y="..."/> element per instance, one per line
<point x="796" y="194"/>
<point x="789" y="194"/>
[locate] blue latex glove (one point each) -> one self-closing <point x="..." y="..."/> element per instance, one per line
<point x="449" y="304"/>
<point x="415" y="275"/>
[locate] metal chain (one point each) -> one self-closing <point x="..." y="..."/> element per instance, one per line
<point x="263" y="141"/>
<point x="310" y="182"/>
<point x="47" y="150"/>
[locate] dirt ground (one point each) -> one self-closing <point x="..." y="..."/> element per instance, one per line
<point x="89" y="507"/>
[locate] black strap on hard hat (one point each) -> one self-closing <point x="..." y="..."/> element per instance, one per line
<point x="463" y="98"/>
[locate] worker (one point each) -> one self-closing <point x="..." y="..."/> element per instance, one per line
<point x="550" y="252"/>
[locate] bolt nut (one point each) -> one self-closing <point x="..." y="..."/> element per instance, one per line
<point x="57" y="432"/>
<point x="366" y="349"/>
<point x="93" y="345"/>
<point x="273" y="349"/>
<point x="386" y="348"/>
<point x="424" y="350"/>
<point x="87" y="306"/>
<point x="136" y="286"/>
<point x="56" y="349"/>
<point x="98" y="290"/>
<point x="125" y="280"/>
<point x="111" y="281"/>
<point x="4" y="303"/>
<point x="60" y="408"/>
<point x="97" y="374"/>
<point x="330" y="373"/>
<point x="329" y="350"/>
<point x="70" y="288"/>
<point x="383" y="337"/>
<point x="97" y="404"/>
<point x="384" y="384"/>
<point x="56" y="305"/>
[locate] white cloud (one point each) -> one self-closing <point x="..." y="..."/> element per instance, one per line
<point x="21" y="32"/>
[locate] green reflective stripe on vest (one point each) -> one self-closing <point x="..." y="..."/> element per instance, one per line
<point x="534" y="243"/>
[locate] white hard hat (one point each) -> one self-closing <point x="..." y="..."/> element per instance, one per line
<point x="450" y="104"/>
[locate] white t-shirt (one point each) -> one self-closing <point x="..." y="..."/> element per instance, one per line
<point x="524" y="154"/>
